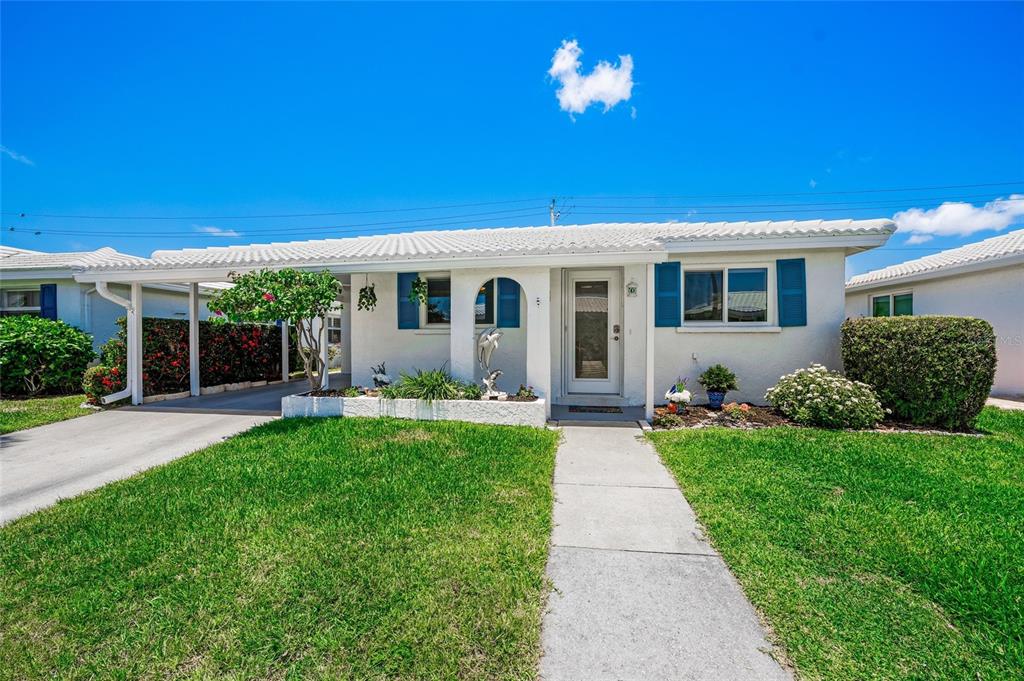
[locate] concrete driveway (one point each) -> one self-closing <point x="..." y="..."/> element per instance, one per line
<point x="42" y="465"/>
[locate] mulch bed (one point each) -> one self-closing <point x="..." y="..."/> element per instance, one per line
<point x="704" y="417"/>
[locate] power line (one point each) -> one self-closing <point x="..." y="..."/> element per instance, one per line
<point x="813" y="193"/>
<point x="872" y="202"/>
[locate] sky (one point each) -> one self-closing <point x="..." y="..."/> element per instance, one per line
<point x="150" y="126"/>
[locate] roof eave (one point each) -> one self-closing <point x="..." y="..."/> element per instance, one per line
<point x="850" y="243"/>
<point x="940" y="272"/>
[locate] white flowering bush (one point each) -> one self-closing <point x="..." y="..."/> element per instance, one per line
<point x="818" y="397"/>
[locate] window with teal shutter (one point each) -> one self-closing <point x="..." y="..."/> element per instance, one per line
<point x="408" y="311"/>
<point x="48" y="301"/>
<point x="791" y="278"/>
<point x="667" y="301"/>
<point x="508" y="303"/>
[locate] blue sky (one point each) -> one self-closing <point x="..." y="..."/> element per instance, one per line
<point x="200" y="112"/>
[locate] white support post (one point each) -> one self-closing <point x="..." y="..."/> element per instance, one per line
<point x="325" y="376"/>
<point x="462" y="342"/>
<point x="649" y="342"/>
<point x="536" y="286"/>
<point x="285" y="369"/>
<point x="135" y="344"/>
<point x="193" y="339"/>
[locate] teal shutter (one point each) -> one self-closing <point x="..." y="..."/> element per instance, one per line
<point x="667" y="292"/>
<point x="408" y="311"/>
<point x="508" y="303"/>
<point x="791" y="277"/>
<point x="48" y="301"/>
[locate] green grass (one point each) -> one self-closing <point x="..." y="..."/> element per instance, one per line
<point x="38" y="411"/>
<point x="872" y="556"/>
<point x="335" y="548"/>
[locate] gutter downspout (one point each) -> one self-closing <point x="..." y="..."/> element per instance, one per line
<point x="101" y="288"/>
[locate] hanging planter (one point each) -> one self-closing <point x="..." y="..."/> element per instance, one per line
<point x="367" y="298"/>
<point x="418" y="291"/>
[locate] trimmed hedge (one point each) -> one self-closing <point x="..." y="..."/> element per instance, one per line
<point x="228" y="353"/>
<point x="935" y="371"/>
<point x="42" y="356"/>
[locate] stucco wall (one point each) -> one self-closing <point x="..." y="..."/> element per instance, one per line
<point x="758" y="357"/>
<point x="996" y="296"/>
<point x="375" y="337"/>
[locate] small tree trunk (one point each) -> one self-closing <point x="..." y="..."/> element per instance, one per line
<point x="309" y="350"/>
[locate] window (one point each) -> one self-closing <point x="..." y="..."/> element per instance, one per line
<point x="748" y="295"/>
<point x="897" y="305"/>
<point x="19" y="301"/>
<point x="702" y="299"/>
<point x="334" y="330"/>
<point x="439" y="302"/>
<point x="744" y="290"/>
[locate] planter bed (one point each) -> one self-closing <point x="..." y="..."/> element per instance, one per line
<point x="506" y="412"/>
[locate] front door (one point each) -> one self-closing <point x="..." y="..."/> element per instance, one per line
<point x="593" y="331"/>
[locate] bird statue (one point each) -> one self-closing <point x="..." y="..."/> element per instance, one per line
<point x="486" y="344"/>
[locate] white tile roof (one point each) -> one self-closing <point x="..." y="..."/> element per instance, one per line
<point x="504" y="241"/>
<point x="994" y="252"/>
<point x="20" y="259"/>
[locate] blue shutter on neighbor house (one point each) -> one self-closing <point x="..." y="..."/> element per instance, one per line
<point x="791" y="282"/>
<point x="508" y="303"/>
<point x="408" y="310"/>
<point x="48" y="301"/>
<point x="667" y="292"/>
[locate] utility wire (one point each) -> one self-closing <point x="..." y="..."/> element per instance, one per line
<point x="496" y="203"/>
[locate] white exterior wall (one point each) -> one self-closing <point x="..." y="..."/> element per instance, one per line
<point x="376" y="338"/>
<point x="997" y="296"/>
<point x="757" y="357"/>
<point x="80" y="306"/>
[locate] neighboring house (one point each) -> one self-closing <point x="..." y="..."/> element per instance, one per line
<point x="983" y="280"/>
<point x="601" y="315"/>
<point x="37" y="283"/>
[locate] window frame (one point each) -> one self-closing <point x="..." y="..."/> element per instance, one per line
<point x="892" y="302"/>
<point x="7" y="310"/>
<point x="771" y="304"/>
<point x="425" y="324"/>
<point x="334" y="326"/>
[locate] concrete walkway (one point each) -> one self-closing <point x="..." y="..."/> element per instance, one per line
<point x="41" y="465"/>
<point x="1005" y="403"/>
<point x="638" y="591"/>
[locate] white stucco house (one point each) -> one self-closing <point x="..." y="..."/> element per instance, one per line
<point x="605" y="315"/>
<point x="983" y="280"/>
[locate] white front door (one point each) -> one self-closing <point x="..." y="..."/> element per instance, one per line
<point x="593" y="331"/>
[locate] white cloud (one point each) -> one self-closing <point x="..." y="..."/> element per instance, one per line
<point x="813" y="183"/>
<point x="213" y="230"/>
<point x="16" y="156"/>
<point x="606" y="84"/>
<point x="959" y="219"/>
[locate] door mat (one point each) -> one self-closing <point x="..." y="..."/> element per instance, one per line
<point x="594" y="410"/>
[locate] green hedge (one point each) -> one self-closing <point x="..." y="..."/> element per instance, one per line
<point x="934" y="371"/>
<point x="42" y="356"/>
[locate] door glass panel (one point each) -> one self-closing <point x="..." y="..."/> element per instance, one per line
<point x="591" y="306"/>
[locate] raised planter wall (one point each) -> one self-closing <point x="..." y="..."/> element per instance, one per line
<point x="473" y="411"/>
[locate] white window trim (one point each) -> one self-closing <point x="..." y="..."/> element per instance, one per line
<point x="892" y="301"/>
<point x="770" y="325"/>
<point x="24" y="310"/>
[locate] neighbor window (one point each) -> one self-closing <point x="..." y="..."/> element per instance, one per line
<point x="892" y="305"/>
<point x="334" y="330"/>
<point x="737" y="294"/>
<point x="439" y="302"/>
<point x="19" y="301"/>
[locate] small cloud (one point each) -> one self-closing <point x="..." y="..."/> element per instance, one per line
<point x="959" y="219"/>
<point x="213" y="230"/>
<point x="632" y="112"/>
<point x="606" y="84"/>
<point x="813" y="183"/>
<point x="21" y="158"/>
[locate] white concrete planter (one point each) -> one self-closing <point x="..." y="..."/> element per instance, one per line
<point x="473" y="411"/>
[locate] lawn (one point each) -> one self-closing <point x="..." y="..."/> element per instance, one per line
<point x="872" y="556"/>
<point x="337" y="548"/>
<point x="38" y="411"/>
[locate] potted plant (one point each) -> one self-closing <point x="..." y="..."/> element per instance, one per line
<point x="717" y="381"/>
<point x="677" y="395"/>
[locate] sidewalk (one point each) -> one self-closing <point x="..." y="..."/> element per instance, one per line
<point x="638" y="592"/>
